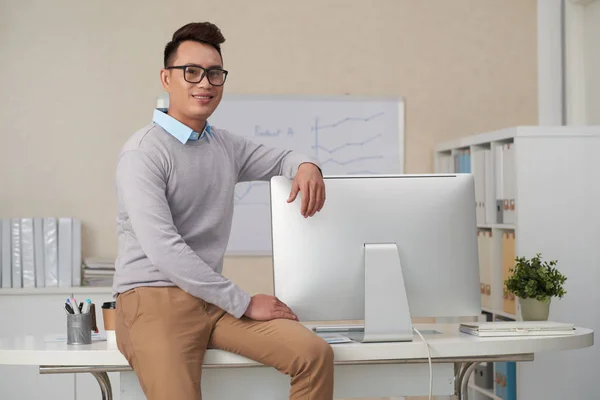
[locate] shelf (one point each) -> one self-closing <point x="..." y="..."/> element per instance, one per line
<point x="500" y="313"/>
<point x="55" y="290"/>
<point x="498" y="226"/>
<point x="483" y="391"/>
<point x="509" y="134"/>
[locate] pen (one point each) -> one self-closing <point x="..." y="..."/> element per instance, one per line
<point x="69" y="308"/>
<point x="86" y="306"/>
<point x="74" y="305"/>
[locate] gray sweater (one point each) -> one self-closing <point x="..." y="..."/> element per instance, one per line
<point x="175" y="209"/>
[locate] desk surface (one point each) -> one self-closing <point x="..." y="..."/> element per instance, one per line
<point x="448" y="343"/>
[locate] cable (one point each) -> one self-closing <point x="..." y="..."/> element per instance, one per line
<point x="428" y="359"/>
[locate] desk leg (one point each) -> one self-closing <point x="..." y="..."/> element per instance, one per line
<point x="98" y="372"/>
<point x="463" y="373"/>
<point x="104" y="382"/>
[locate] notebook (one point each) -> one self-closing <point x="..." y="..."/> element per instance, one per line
<point x="517" y="328"/>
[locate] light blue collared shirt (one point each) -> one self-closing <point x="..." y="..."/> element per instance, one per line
<point x="182" y="132"/>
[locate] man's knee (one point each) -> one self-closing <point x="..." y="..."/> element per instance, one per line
<point x="317" y="353"/>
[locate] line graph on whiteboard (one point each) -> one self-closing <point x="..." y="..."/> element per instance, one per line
<point x="356" y="144"/>
<point x="345" y="134"/>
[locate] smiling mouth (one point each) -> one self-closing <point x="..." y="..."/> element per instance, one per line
<point x="202" y="97"/>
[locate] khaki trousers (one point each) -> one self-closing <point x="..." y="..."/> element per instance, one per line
<point x="163" y="332"/>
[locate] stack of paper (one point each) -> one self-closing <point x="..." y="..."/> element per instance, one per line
<point x="98" y="272"/>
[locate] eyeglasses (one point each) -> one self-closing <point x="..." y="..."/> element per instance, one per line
<point x="195" y="73"/>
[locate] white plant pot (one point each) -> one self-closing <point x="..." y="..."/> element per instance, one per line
<point x="534" y="310"/>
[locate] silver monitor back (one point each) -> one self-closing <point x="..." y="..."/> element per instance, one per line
<point x="319" y="261"/>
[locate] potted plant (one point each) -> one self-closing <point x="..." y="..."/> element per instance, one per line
<point x="535" y="282"/>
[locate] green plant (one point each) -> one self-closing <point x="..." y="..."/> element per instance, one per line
<point x="535" y="278"/>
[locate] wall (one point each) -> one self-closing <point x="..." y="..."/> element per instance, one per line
<point x="582" y="62"/>
<point x="550" y="66"/>
<point x="592" y="62"/>
<point x="79" y="77"/>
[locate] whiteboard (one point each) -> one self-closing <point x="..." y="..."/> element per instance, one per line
<point x="347" y="135"/>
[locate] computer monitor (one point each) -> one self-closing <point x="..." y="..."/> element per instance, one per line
<point x="384" y="249"/>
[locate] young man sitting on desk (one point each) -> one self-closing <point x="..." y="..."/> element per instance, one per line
<point x="175" y="188"/>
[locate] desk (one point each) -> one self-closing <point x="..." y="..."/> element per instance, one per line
<point x="362" y="370"/>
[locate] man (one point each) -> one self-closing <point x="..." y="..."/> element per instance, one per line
<point x="175" y="187"/>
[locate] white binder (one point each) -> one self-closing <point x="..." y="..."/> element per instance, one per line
<point x="5" y="261"/>
<point x="16" y="252"/>
<point x="38" y="240"/>
<point x="50" y="227"/>
<point x="27" y="253"/>
<point x="76" y="250"/>
<point x="65" y="252"/>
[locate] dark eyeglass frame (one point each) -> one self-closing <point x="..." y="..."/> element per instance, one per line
<point x="205" y="73"/>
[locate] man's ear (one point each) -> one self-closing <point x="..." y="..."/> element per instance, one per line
<point x="165" y="78"/>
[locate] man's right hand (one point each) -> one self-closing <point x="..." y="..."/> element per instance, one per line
<point x="263" y="307"/>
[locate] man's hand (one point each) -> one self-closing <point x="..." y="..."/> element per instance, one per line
<point x="310" y="182"/>
<point x="263" y="307"/>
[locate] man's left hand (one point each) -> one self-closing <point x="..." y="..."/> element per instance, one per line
<point x="310" y="182"/>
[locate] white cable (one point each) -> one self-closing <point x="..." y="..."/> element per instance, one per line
<point x="428" y="359"/>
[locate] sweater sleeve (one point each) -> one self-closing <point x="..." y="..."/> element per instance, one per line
<point x="257" y="162"/>
<point x="141" y="186"/>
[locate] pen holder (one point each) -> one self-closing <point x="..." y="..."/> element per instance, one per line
<point x="79" y="328"/>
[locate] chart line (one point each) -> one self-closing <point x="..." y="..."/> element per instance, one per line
<point x="347" y="119"/>
<point x="336" y="149"/>
<point x="316" y="128"/>
<point x="353" y="160"/>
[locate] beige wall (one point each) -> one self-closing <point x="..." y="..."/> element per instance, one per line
<point x="78" y="77"/>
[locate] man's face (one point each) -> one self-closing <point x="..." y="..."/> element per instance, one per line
<point x="192" y="101"/>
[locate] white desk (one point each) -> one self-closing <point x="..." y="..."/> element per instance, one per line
<point x="362" y="370"/>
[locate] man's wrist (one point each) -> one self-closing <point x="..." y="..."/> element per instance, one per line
<point x="311" y="163"/>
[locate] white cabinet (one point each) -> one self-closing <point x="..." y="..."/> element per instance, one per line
<point x="554" y="183"/>
<point x="40" y="311"/>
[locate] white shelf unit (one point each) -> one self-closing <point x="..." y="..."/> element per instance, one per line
<point x="481" y="393"/>
<point x="556" y="196"/>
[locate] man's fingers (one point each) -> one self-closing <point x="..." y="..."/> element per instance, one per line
<point x="293" y="193"/>
<point x="321" y="198"/>
<point x="281" y="303"/>
<point x="286" y="315"/>
<point x="305" y="198"/>
<point x="312" y="202"/>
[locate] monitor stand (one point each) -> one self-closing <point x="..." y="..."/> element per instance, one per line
<point x="387" y="314"/>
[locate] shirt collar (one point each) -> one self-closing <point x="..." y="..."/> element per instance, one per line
<point x="181" y="132"/>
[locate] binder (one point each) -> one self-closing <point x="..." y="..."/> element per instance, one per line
<point x="479" y="179"/>
<point x="490" y="188"/>
<point x="50" y="228"/>
<point x="468" y="161"/>
<point x="38" y="239"/>
<point x="445" y="164"/>
<point x="65" y="252"/>
<point x="499" y="172"/>
<point x="27" y="255"/>
<point x="5" y="250"/>
<point x="76" y="251"/>
<point x="509" y="303"/>
<point x="509" y="180"/>
<point x="484" y="239"/>
<point x="506" y="380"/>
<point x="16" y="253"/>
